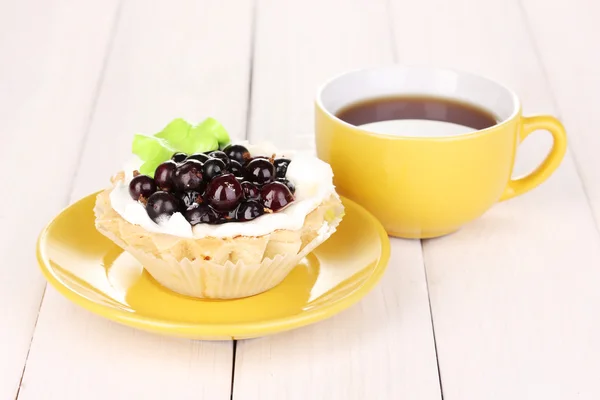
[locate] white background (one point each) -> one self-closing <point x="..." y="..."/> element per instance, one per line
<point x="507" y="308"/>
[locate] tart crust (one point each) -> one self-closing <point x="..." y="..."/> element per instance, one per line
<point x="219" y="268"/>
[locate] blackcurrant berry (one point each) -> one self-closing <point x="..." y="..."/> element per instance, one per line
<point x="237" y="152"/>
<point x="201" y="214"/>
<point x="260" y="171"/>
<point x="188" y="176"/>
<point x="141" y="185"/>
<point x="221" y="156"/>
<point x="161" y="205"/>
<point x="179" y="157"/>
<point x="163" y="175"/>
<point x="276" y="195"/>
<point x="237" y="170"/>
<point x="281" y="166"/>
<point x="249" y="210"/>
<point x="287" y="183"/>
<point x="251" y="191"/>
<point x="224" y="192"/>
<point x="212" y="168"/>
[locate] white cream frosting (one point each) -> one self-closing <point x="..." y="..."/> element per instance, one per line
<point x="312" y="178"/>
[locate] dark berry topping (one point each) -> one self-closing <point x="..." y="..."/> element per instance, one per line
<point x="237" y="152"/>
<point x="190" y="199"/>
<point x="251" y="191"/>
<point x="275" y="196"/>
<point x="188" y="176"/>
<point x="221" y="156"/>
<point x="260" y="171"/>
<point x="212" y="168"/>
<point x="179" y="157"/>
<point x="141" y="186"/>
<point x="215" y="187"/>
<point x="249" y="210"/>
<point x="281" y="166"/>
<point x="287" y="183"/>
<point x="201" y="214"/>
<point x="199" y="157"/>
<point x="225" y="216"/>
<point x="161" y="205"/>
<point x="224" y="192"/>
<point x="163" y="175"/>
<point x="237" y="170"/>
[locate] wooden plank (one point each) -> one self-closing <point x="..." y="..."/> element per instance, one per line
<point x="382" y="347"/>
<point x="169" y="59"/>
<point x="49" y="67"/>
<point x="564" y="36"/>
<point x="514" y="294"/>
<point x="298" y="46"/>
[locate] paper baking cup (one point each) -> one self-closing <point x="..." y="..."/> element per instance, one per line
<point x="261" y="262"/>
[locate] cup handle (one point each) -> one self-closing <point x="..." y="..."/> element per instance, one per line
<point x="524" y="184"/>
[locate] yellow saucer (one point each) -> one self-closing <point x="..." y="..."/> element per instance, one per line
<point x="93" y="272"/>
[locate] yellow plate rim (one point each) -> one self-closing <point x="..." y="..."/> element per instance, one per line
<point x="245" y="329"/>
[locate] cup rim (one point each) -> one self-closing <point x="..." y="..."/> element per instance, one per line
<point x="516" y="111"/>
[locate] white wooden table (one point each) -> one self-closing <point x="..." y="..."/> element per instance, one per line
<point x="507" y="308"/>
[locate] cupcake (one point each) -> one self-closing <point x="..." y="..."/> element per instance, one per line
<point x="211" y="218"/>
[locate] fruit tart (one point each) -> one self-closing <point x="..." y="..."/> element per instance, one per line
<point x="211" y="218"/>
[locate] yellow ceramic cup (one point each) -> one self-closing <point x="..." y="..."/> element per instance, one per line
<point x="428" y="186"/>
